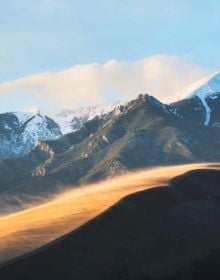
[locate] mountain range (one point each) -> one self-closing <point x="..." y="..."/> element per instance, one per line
<point x="140" y="133"/>
<point x="21" y="131"/>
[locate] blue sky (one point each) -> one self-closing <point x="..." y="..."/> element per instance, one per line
<point x="53" y="35"/>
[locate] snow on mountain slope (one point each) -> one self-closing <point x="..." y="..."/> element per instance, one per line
<point x="205" y="89"/>
<point x="20" y="132"/>
<point x="23" y="116"/>
<point x="71" y="120"/>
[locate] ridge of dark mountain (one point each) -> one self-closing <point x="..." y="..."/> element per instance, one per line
<point x="200" y="102"/>
<point x="193" y="110"/>
<point x="142" y="133"/>
<point x="20" y="131"/>
<point x="165" y="233"/>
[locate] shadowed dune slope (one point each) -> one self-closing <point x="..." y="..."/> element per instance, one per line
<point x="28" y="230"/>
<point x="169" y="232"/>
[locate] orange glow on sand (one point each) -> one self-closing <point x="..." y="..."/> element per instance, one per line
<point x="28" y="230"/>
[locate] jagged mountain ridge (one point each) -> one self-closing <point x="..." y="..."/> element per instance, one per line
<point x="200" y="103"/>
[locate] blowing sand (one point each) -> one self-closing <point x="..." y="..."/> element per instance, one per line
<point x="25" y="231"/>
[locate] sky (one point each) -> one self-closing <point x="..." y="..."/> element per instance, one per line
<point x="70" y="53"/>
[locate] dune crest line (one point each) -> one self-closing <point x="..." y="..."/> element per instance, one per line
<point x="25" y="231"/>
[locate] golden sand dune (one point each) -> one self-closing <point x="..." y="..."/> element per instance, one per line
<point x="28" y="230"/>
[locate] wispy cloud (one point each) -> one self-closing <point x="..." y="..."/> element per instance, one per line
<point x="161" y="76"/>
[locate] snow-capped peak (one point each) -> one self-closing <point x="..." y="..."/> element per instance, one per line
<point x="205" y="87"/>
<point x="21" y="131"/>
<point x="208" y="87"/>
<point x="70" y="120"/>
<point x="23" y="116"/>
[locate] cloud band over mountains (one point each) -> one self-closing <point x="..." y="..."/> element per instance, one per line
<point x="160" y="75"/>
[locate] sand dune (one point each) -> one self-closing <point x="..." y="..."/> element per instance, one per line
<point x="28" y="230"/>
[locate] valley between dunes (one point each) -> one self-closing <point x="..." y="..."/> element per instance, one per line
<point x="25" y="231"/>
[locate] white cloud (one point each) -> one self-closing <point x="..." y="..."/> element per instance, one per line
<point x="161" y="76"/>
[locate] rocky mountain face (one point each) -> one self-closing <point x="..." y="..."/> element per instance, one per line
<point x="141" y="133"/>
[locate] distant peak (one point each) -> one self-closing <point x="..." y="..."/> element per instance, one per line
<point x="144" y="96"/>
<point x="203" y="88"/>
<point x="149" y="99"/>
